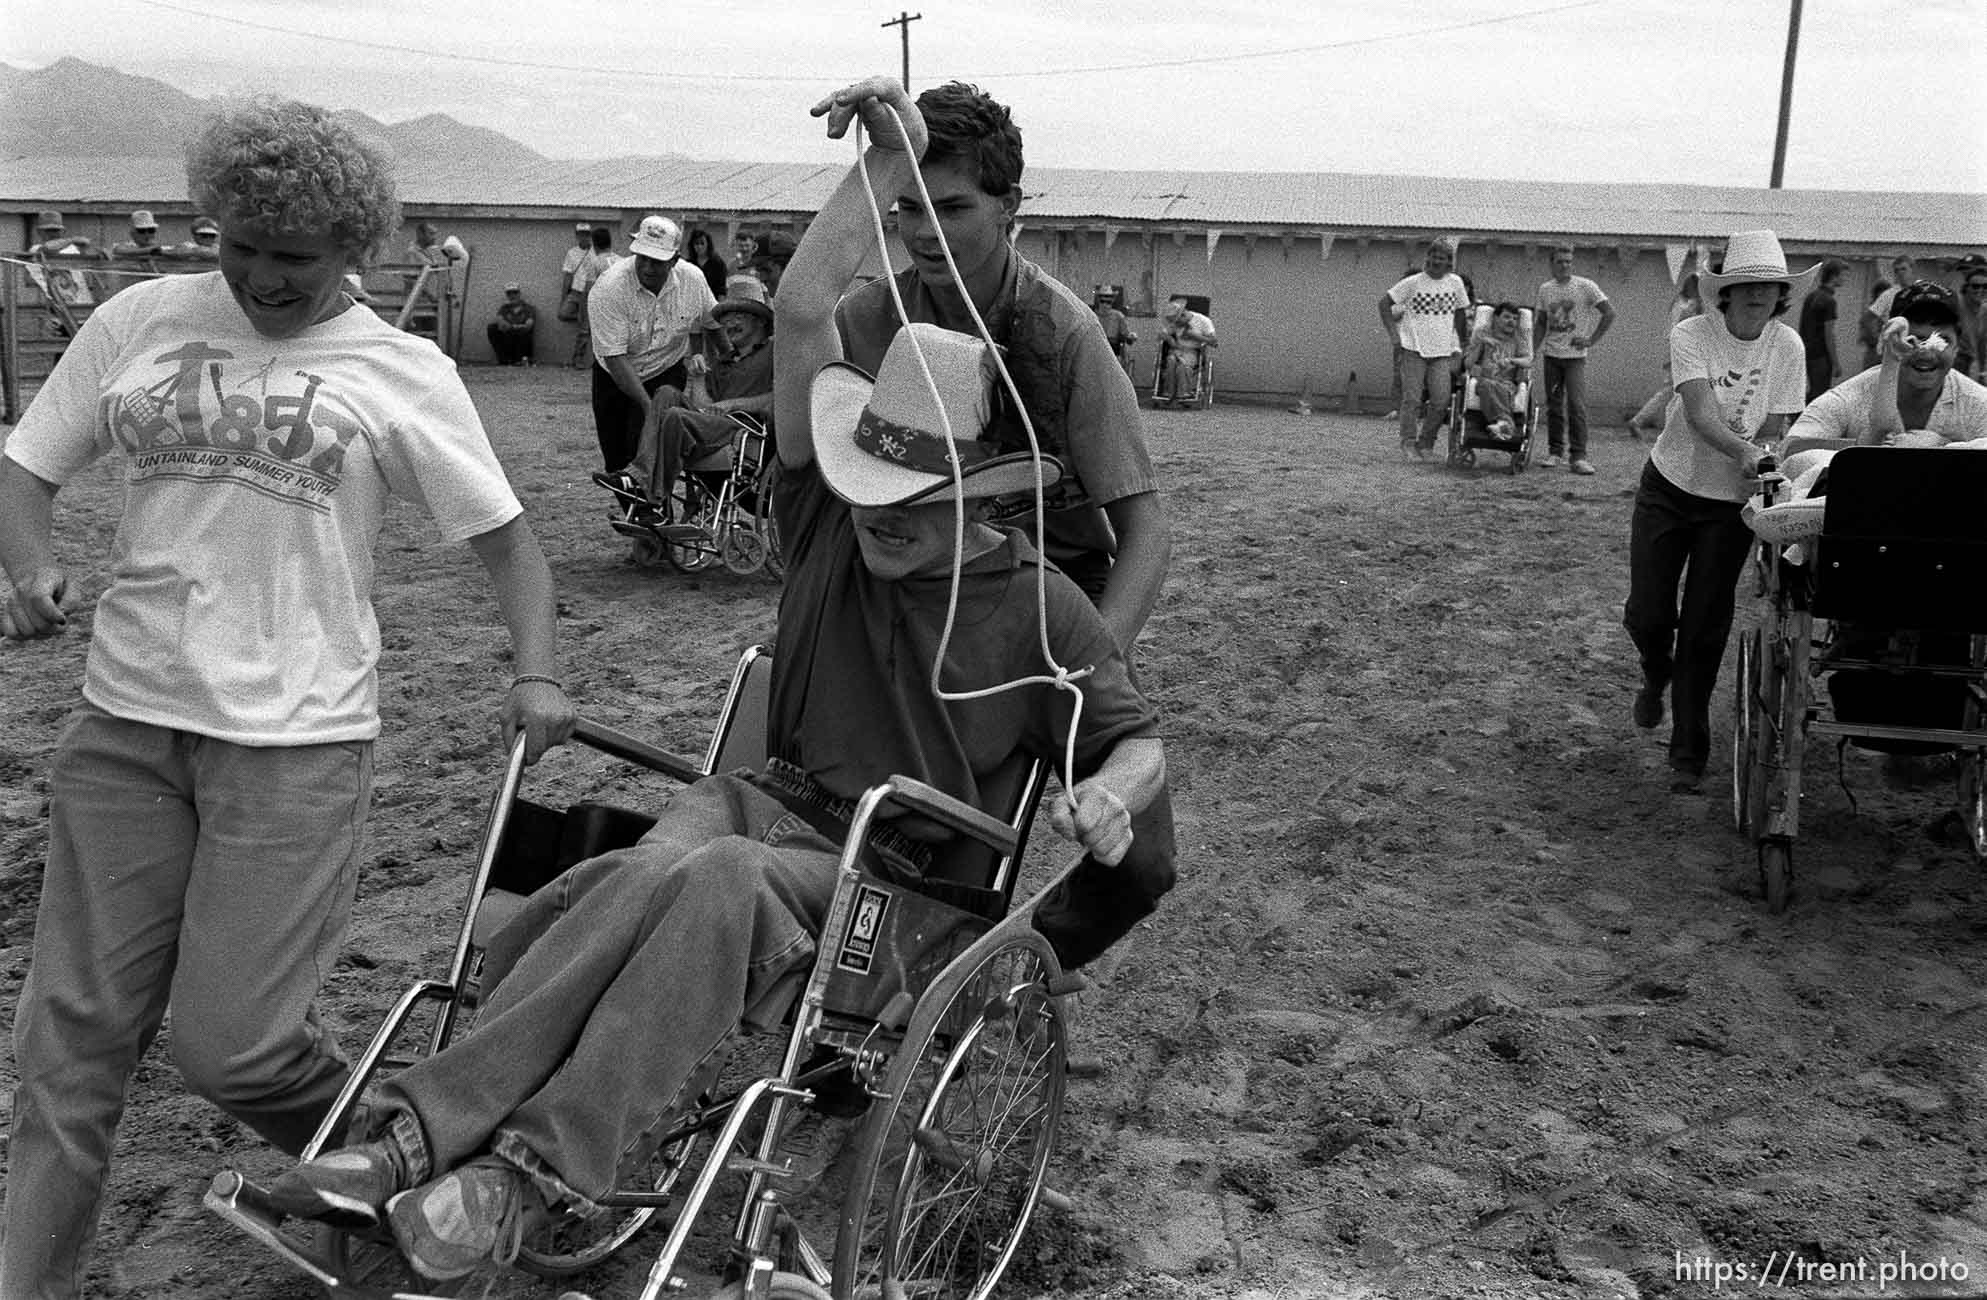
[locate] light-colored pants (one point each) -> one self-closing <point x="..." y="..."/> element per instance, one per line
<point x="1424" y="378"/>
<point x="180" y="867"/>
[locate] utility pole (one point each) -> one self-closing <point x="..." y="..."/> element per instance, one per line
<point x="1786" y="95"/>
<point x="903" y="23"/>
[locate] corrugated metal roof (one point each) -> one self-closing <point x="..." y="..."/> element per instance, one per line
<point x="1307" y="202"/>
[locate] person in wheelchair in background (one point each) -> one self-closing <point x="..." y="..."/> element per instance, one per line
<point x="1498" y="359"/>
<point x="680" y="431"/>
<point x="1188" y="333"/>
<point x="709" y="917"/>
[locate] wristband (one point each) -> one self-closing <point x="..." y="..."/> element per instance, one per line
<point x="537" y="677"/>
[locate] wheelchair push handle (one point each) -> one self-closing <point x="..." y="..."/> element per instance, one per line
<point x="620" y="744"/>
<point x="928" y="801"/>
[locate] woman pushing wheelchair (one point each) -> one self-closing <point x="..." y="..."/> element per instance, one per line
<point x="618" y="980"/>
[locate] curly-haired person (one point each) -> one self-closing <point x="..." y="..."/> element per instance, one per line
<point x="208" y="796"/>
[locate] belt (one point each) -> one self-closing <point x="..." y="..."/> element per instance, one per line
<point x="802" y="793"/>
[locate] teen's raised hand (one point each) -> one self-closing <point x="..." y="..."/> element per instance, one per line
<point x="887" y="112"/>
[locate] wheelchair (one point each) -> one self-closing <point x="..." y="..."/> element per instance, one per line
<point x="1201" y="392"/>
<point x="1873" y="634"/>
<point x="722" y="510"/>
<point x="1470" y="433"/>
<point x="936" y="1014"/>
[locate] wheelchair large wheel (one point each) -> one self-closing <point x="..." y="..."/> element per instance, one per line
<point x="950" y="1163"/>
<point x="1973" y="802"/>
<point x="781" y="1286"/>
<point x="574" y="1244"/>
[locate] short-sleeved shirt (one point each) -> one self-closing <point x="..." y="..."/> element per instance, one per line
<point x="1427" y="326"/>
<point x="652" y="330"/>
<point x="1750" y="380"/>
<point x="748" y="376"/>
<point x="856" y="650"/>
<point x="1959" y="415"/>
<point x="574" y="256"/>
<point x="1568" y="309"/>
<point x="256" y="472"/>
<point x="1083" y="407"/>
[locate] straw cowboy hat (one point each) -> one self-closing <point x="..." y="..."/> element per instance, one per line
<point x="1754" y="257"/>
<point x="884" y="442"/>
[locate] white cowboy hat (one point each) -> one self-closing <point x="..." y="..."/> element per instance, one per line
<point x="1754" y="257"/>
<point x="884" y="442"/>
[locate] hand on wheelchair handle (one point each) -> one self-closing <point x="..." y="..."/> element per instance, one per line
<point x="1095" y="818"/>
<point x="540" y="712"/>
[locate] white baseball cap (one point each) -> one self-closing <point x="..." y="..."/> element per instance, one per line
<point x="658" y="237"/>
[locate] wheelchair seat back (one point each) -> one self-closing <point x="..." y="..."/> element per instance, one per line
<point x="1904" y="539"/>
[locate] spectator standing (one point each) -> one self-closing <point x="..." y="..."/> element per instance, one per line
<point x="203" y="246"/>
<point x="600" y="255"/>
<point x="1817" y="329"/>
<point x="1973" y="316"/>
<point x="68" y="284"/>
<point x="208" y="797"/>
<point x="572" y="296"/>
<point x="1869" y="325"/>
<point x="1108" y="304"/>
<point x="430" y="247"/>
<point x="704" y="256"/>
<point x="1903" y="271"/>
<point x="1426" y="316"/>
<point x="1570" y="316"/>
<point x="1740" y="373"/>
<point x="144" y="240"/>
<point x="648" y="314"/>
<point x="512" y="332"/>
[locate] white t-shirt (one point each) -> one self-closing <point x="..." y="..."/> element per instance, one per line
<point x="1749" y="381"/>
<point x="652" y="330"/>
<point x="256" y="472"/>
<point x="1428" y="326"/>
<point x="1959" y="415"/>
<point x="1569" y="309"/>
<point x="574" y="256"/>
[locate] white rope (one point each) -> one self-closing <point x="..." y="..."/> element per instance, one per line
<point x="1061" y="678"/>
<point x="93" y="266"/>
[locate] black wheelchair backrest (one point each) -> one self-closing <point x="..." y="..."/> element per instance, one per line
<point x="1904" y="539"/>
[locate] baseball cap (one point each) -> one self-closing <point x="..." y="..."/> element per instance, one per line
<point x="1926" y="300"/>
<point x="658" y="237"/>
<point x="513" y="287"/>
<point x="48" y="221"/>
<point x="206" y="226"/>
<point x="584" y="227"/>
<point x="143" y="220"/>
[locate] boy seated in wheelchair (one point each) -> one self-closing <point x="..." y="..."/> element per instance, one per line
<point x="1498" y="359"/>
<point x="1188" y="334"/>
<point x="613" y="985"/>
<point x="679" y="433"/>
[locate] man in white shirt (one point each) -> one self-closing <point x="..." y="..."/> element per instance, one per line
<point x="1571" y="315"/>
<point x="1426" y="317"/>
<point x="648" y="314"/>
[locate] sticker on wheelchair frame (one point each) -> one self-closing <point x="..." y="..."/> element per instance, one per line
<point x="859" y="940"/>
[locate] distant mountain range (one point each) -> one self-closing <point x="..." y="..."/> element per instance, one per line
<point x="73" y="108"/>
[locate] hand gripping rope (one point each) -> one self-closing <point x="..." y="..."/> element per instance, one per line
<point x="1060" y="678"/>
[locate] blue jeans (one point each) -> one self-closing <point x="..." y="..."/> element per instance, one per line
<point x="1678" y="538"/>
<point x="1566" y="406"/>
<point x="1425" y="385"/>
<point x="183" y="868"/>
<point x="614" y="985"/>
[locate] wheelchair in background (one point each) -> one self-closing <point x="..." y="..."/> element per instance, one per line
<point x="1874" y="634"/>
<point x="1196" y="386"/>
<point x="721" y="511"/>
<point x="935" y="1013"/>
<point x="1470" y="431"/>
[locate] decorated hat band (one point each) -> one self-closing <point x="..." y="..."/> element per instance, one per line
<point x="913" y="448"/>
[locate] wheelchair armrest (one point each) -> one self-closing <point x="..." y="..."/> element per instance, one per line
<point x="942" y="808"/>
<point x="623" y="746"/>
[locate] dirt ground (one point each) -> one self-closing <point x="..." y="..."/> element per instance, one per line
<point x="1454" y="999"/>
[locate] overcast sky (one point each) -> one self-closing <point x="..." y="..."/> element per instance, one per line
<point x="1889" y="94"/>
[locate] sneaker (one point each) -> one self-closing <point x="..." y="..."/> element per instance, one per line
<point x="1552" y="460"/>
<point x="1649" y="706"/>
<point x="1582" y="466"/>
<point x="344" y="1188"/>
<point x="477" y="1214"/>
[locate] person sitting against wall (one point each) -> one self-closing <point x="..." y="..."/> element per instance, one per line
<point x="511" y="333"/>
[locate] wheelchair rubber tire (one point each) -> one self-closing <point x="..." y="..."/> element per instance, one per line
<point x="984" y="1044"/>
<point x="781" y="1286"/>
<point x="1973" y="802"/>
<point x="744" y="551"/>
<point x="1745" y="732"/>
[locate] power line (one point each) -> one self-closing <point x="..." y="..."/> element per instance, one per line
<point x="648" y="74"/>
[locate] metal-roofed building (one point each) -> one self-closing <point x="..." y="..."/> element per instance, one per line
<point x="1294" y="263"/>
